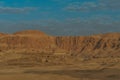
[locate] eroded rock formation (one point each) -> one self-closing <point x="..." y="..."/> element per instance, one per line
<point x="37" y="40"/>
<point x="33" y="47"/>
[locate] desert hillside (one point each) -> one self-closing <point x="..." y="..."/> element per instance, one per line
<point x="37" y="40"/>
<point x="35" y="47"/>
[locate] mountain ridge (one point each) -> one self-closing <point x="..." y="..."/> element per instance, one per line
<point x="38" y="40"/>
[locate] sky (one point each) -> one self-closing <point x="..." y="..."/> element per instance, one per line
<point x="60" y="17"/>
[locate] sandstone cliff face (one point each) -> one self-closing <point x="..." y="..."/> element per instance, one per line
<point x="38" y="40"/>
<point x="36" y="48"/>
<point x="26" y="40"/>
<point x="3" y="34"/>
<point x="90" y="43"/>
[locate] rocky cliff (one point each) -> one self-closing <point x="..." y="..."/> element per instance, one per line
<point x="31" y="47"/>
<point x="89" y="43"/>
<point x="37" y="40"/>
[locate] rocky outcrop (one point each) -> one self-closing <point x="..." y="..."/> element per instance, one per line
<point x="89" y="43"/>
<point x="26" y="40"/>
<point x="36" y="40"/>
<point x="31" y="48"/>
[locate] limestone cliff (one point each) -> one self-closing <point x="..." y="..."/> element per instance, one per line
<point x="37" y="40"/>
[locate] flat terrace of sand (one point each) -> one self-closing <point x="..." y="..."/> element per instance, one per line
<point x="70" y="72"/>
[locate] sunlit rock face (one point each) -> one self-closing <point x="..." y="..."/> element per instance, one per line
<point x="37" y="40"/>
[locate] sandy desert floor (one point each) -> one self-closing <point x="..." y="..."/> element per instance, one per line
<point x="76" y="72"/>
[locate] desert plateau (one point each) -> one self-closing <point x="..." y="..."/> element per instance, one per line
<point x="34" y="55"/>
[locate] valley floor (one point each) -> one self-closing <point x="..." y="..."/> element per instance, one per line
<point x="84" y="71"/>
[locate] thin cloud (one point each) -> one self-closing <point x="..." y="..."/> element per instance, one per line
<point x="94" y="6"/>
<point x="13" y="10"/>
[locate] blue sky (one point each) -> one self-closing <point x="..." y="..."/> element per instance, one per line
<point x="60" y="17"/>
